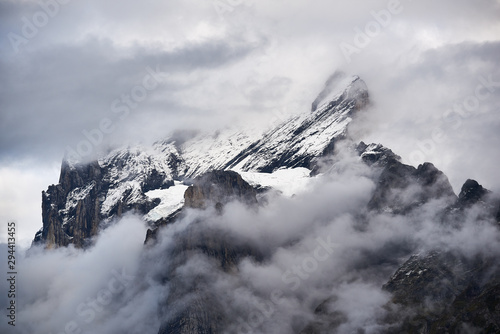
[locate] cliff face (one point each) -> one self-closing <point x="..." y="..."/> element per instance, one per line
<point x="445" y="290"/>
<point x="396" y="180"/>
<point x="76" y="220"/>
<point x="74" y="210"/>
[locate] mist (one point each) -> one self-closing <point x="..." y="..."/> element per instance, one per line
<point x="318" y="248"/>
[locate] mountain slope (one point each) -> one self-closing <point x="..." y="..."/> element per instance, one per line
<point x="299" y="141"/>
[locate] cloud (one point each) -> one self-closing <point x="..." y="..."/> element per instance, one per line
<point x="65" y="90"/>
<point x="313" y="253"/>
<point x="319" y="250"/>
<point x="80" y="288"/>
<point x="21" y="186"/>
<point x="428" y="110"/>
<point x="244" y="65"/>
<point x="253" y="53"/>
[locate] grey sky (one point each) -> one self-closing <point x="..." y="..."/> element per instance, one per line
<point x="245" y="61"/>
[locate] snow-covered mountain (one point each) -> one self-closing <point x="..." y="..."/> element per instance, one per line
<point x="151" y="180"/>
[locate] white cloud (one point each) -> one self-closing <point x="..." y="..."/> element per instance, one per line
<point x="315" y="247"/>
<point x="21" y="186"/>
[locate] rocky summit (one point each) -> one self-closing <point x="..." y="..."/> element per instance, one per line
<point x="211" y="180"/>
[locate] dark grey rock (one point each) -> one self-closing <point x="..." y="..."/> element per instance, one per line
<point x="396" y="178"/>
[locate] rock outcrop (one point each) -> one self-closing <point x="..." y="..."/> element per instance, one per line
<point x="75" y="220"/>
<point x="401" y="188"/>
<point x="217" y="188"/>
<point x="87" y="198"/>
<point x="213" y="189"/>
<point x="444" y="292"/>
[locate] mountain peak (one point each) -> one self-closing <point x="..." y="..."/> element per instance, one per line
<point x="471" y="192"/>
<point x="338" y="84"/>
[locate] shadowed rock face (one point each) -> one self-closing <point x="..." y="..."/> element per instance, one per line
<point x="75" y="222"/>
<point x="402" y="188"/>
<point x="471" y="193"/>
<point x="446" y="292"/>
<point x="439" y="291"/>
<point x="331" y="85"/>
<point x="202" y="315"/>
<point x="376" y="154"/>
<point x="327" y="319"/>
<point x="191" y="306"/>
<point x="217" y="188"/>
<point x="437" y="276"/>
<point x="396" y="178"/>
<point x="443" y="292"/>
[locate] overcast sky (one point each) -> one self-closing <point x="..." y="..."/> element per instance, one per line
<point x="67" y="68"/>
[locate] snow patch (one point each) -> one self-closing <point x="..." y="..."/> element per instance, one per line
<point x="289" y="182"/>
<point x="172" y="199"/>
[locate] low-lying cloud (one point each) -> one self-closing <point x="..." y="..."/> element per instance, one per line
<point x="318" y="249"/>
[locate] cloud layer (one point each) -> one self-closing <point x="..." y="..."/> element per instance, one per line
<point x="245" y="62"/>
<point x="224" y="63"/>
<point x="317" y="249"/>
